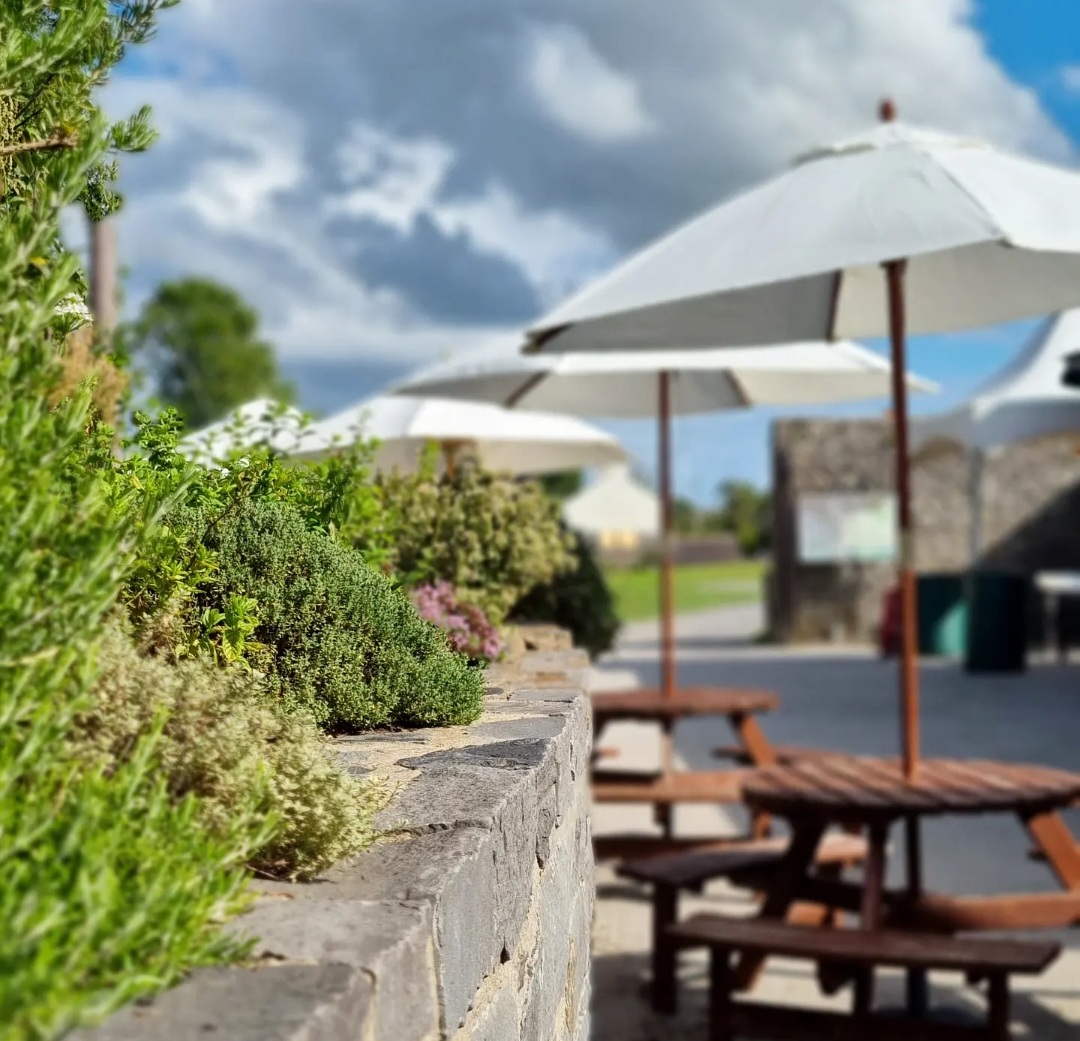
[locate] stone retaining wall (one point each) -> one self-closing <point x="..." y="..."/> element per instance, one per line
<point x="469" y="921"/>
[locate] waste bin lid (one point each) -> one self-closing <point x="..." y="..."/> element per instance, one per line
<point x="1060" y="583"/>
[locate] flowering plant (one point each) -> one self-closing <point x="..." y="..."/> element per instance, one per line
<point x="466" y="625"/>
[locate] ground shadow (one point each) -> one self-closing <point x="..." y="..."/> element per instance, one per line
<point x="621" y="1009"/>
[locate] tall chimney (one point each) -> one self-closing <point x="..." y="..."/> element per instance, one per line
<point x="103" y="276"/>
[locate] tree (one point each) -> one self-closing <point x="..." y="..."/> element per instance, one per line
<point x="63" y="53"/>
<point x="201" y="341"/>
<point x="685" y="516"/>
<point x="745" y="511"/>
<point x="59" y="54"/>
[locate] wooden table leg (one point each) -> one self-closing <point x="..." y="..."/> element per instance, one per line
<point x="1057" y="844"/>
<point x="918" y="986"/>
<point x="760" y="752"/>
<point x="663" y="813"/>
<point x="720" y="986"/>
<point x="871" y="911"/>
<point x="790" y="872"/>
<point x="758" y="747"/>
<point x="665" y="954"/>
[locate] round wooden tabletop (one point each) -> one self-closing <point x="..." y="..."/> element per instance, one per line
<point x="860" y="788"/>
<point x="686" y="701"/>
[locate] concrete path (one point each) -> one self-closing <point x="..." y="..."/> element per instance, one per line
<point x="844" y="699"/>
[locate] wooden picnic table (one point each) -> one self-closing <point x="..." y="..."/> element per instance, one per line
<point x="873" y="795"/>
<point x="670" y="787"/>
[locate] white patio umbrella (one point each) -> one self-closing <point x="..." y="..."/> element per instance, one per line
<point x="514" y="442"/>
<point x="660" y="384"/>
<point x="893" y="230"/>
<point x="260" y="423"/>
<point x="1026" y="400"/>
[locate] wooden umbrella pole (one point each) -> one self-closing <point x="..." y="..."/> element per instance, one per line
<point x="909" y="675"/>
<point x="667" y="578"/>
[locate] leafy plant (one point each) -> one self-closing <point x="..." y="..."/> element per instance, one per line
<point x="465" y="625"/>
<point x="162" y="591"/>
<point x="338" y="638"/>
<point x="111" y="886"/>
<point x="112" y="889"/>
<point x="223" y="738"/>
<point x="579" y="600"/>
<point x="494" y="539"/>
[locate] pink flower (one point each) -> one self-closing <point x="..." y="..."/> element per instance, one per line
<point x="466" y="625"/>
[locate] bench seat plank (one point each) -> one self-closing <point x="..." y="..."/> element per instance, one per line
<point x="695" y="867"/>
<point x="866" y="947"/>
<point x="785" y="754"/>
<point x="704" y="786"/>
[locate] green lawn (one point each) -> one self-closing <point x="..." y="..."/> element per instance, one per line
<point x="697" y="586"/>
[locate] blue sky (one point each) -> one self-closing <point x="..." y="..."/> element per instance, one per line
<point x="391" y="182"/>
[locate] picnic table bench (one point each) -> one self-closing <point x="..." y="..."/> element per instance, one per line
<point x="863" y="950"/>
<point x="671" y="874"/>
<point x="666" y="788"/>
<point x="873" y="795"/>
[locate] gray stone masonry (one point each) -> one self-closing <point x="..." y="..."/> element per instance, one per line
<point x="1031" y="496"/>
<point x="470" y="920"/>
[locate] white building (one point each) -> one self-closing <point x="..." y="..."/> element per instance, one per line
<point x="617" y="511"/>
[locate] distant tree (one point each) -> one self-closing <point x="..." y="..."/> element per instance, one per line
<point x="562" y="485"/>
<point x="746" y="512"/>
<point x="200" y="341"/>
<point x="686" y="516"/>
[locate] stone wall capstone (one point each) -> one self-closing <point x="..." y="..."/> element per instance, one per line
<point x="1031" y="518"/>
<point x="469" y="921"/>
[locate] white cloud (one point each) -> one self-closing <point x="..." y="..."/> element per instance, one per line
<point x="580" y="91"/>
<point x="390" y="180"/>
<point x="501" y="147"/>
<point x="553" y="250"/>
<point x="1070" y="78"/>
<point x="394" y="181"/>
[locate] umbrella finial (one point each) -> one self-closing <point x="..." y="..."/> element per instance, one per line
<point x="887" y="110"/>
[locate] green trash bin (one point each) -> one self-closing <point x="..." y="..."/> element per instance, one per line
<point x="943" y="615"/>
<point x="997" y="630"/>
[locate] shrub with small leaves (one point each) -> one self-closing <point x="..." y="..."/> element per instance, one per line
<point x="579" y="600"/>
<point x="336" y="636"/>
<point x="491" y="537"/>
<point x="224" y="737"/>
<point x="465" y="625"/>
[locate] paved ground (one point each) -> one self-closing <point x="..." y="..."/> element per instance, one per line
<point x="845" y="700"/>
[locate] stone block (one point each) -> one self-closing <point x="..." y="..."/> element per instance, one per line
<point x="390" y="942"/>
<point x="496" y="1020"/>
<point x="276" y="1003"/>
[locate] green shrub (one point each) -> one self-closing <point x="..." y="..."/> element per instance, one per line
<point x="175" y="561"/>
<point x="111" y="889"/>
<point x="336" y="637"/>
<point x="578" y="600"/>
<point x="494" y="539"/>
<point x="223" y="737"/>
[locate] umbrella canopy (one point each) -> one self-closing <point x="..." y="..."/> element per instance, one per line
<point x="624" y="383"/>
<point x="258" y="424"/>
<point x="895" y="230"/>
<point x="989" y="237"/>
<point x="514" y="442"/>
<point x="1025" y="400"/>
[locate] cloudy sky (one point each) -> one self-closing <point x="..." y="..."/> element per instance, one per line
<point x="389" y="181"/>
